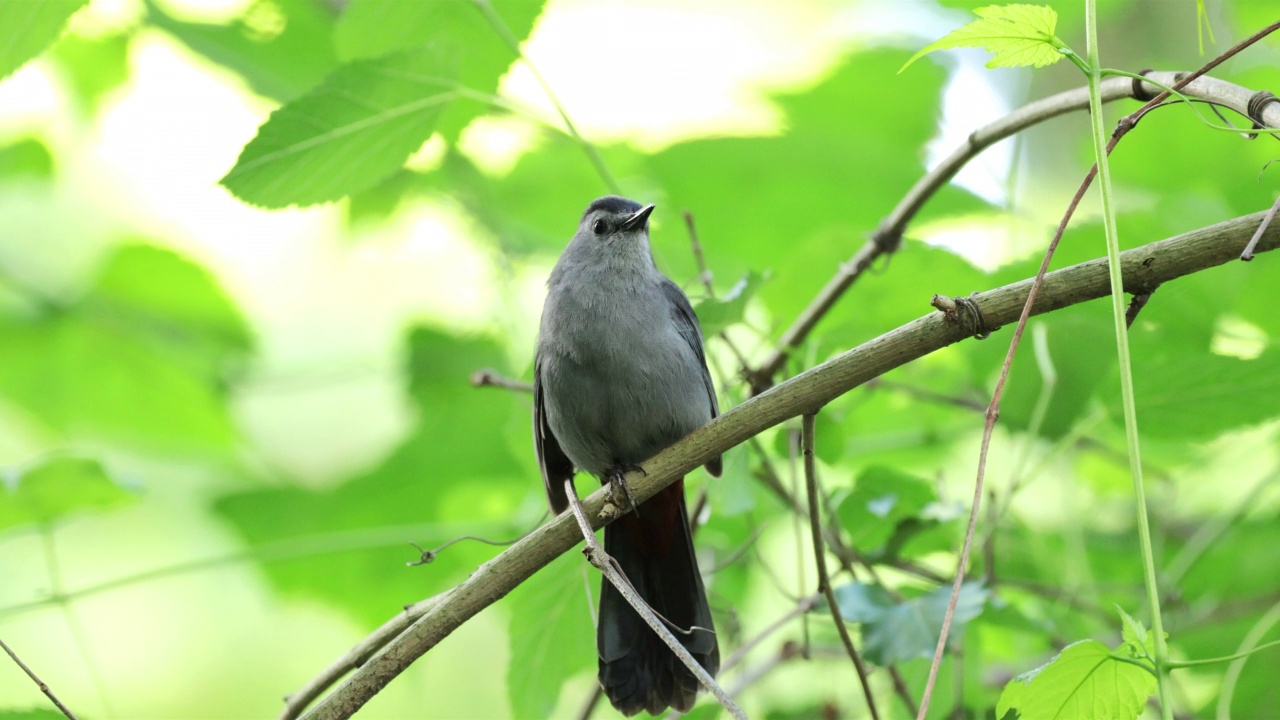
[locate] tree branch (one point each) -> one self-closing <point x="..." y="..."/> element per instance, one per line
<point x="888" y="237"/>
<point x="613" y="574"/>
<point x="824" y="581"/>
<point x="1143" y="267"/>
<point x="39" y="683"/>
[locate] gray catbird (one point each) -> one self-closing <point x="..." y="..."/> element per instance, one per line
<point x="618" y="376"/>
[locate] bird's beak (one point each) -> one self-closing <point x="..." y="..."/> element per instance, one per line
<point x="637" y="220"/>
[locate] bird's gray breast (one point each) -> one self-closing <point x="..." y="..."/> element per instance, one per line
<point x="620" y="381"/>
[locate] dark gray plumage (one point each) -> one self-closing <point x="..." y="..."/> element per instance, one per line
<point x="619" y="375"/>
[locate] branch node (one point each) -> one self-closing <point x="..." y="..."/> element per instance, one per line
<point x="1257" y="102"/>
<point x="963" y="309"/>
<point x="887" y="241"/>
<point x="1136" y="304"/>
<point x="1138" y="92"/>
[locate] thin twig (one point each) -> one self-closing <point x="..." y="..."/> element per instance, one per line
<point x="355" y="657"/>
<point x="513" y="44"/>
<point x="789" y="651"/>
<point x="993" y="410"/>
<point x="606" y="564"/>
<point x="1178" y="256"/>
<point x="900" y="687"/>
<point x="491" y="378"/>
<point x="1247" y="255"/>
<point x="928" y="395"/>
<point x="589" y="706"/>
<point x="793" y="453"/>
<point x="887" y="238"/>
<point x="704" y="275"/>
<point x="426" y="557"/>
<point x="44" y="688"/>
<point x="801" y="608"/>
<point x="824" y="582"/>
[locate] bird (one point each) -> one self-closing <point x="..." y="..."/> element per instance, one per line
<point x="620" y="374"/>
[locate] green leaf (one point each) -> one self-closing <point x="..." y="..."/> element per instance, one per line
<point x="454" y="476"/>
<point x="29" y="26"/>
<point x="1134" y="634"/>
<point x="355" y="129"/>
<point x="1018" y="35"/>
<point x="716" y="314"/>
<point x="54" y="489"/>
<point x="910" y="630"/>
<point x="551" y="636"/>
<point x="740" y="225"/>
<point x="457" y="29"/>
<point x="1188" y="394"/>
<point x="176" y="302"/>
<point x="281" y="49"/>
<point x="1084" y="682"/>
<point x="862" y="603"/>
<point x="141" y="357"/>
<point x="829" y="438"/>
<point x="80" y="376"/>
<point x="882" y="498"/>
<point x="92" y="67"/>
<point x="33" y="714"/>
<point x="28" y="157"/>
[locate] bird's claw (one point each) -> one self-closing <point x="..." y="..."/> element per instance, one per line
<point x="620" y="491"/>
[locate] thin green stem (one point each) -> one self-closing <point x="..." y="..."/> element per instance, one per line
<point x="1229" y="679"/>
<point x="1191" y="103"/>
<point x="306" y="546"/>
<point x="1174" y="664"/>
<point x="1134" y="661"/>
<point x="1122" y="346"/>
<point x="513" y="43"/>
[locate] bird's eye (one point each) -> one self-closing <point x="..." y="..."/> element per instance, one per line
<point x="599" y="227"/>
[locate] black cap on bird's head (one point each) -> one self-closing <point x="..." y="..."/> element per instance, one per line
<point x="613" y="214"/>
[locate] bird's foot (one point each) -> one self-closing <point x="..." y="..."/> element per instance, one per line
<point x="619" y="491"/>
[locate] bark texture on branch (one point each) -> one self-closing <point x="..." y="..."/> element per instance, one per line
<point x="1143" y="268"/>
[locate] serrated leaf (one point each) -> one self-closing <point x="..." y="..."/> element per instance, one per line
<point x="1017" y="35"/>
<point x="1135" y="635"/>
<point x="550" y="634"/>
<point x="896" y="632"/>
<point x="462" y="31"/>
<point x="1084" y="682"/>
<point x="27" y="27"/>
<point x="352" y="131"/>
<point x="54" y="489"/>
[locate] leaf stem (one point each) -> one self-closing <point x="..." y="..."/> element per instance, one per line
<point x="1175" y="664"/>
<point x="1132" y="661"/>
<point x="504" y="32"/>
<point x="1122" y="346"/>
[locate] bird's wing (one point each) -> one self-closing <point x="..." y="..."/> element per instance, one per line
<point x="556" y="466"/>
<point x="687" y="323"/>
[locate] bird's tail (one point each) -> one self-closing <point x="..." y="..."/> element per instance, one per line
<point x="655" y="550"/>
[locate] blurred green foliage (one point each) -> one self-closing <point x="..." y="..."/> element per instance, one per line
<point x="150" y="524"/>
